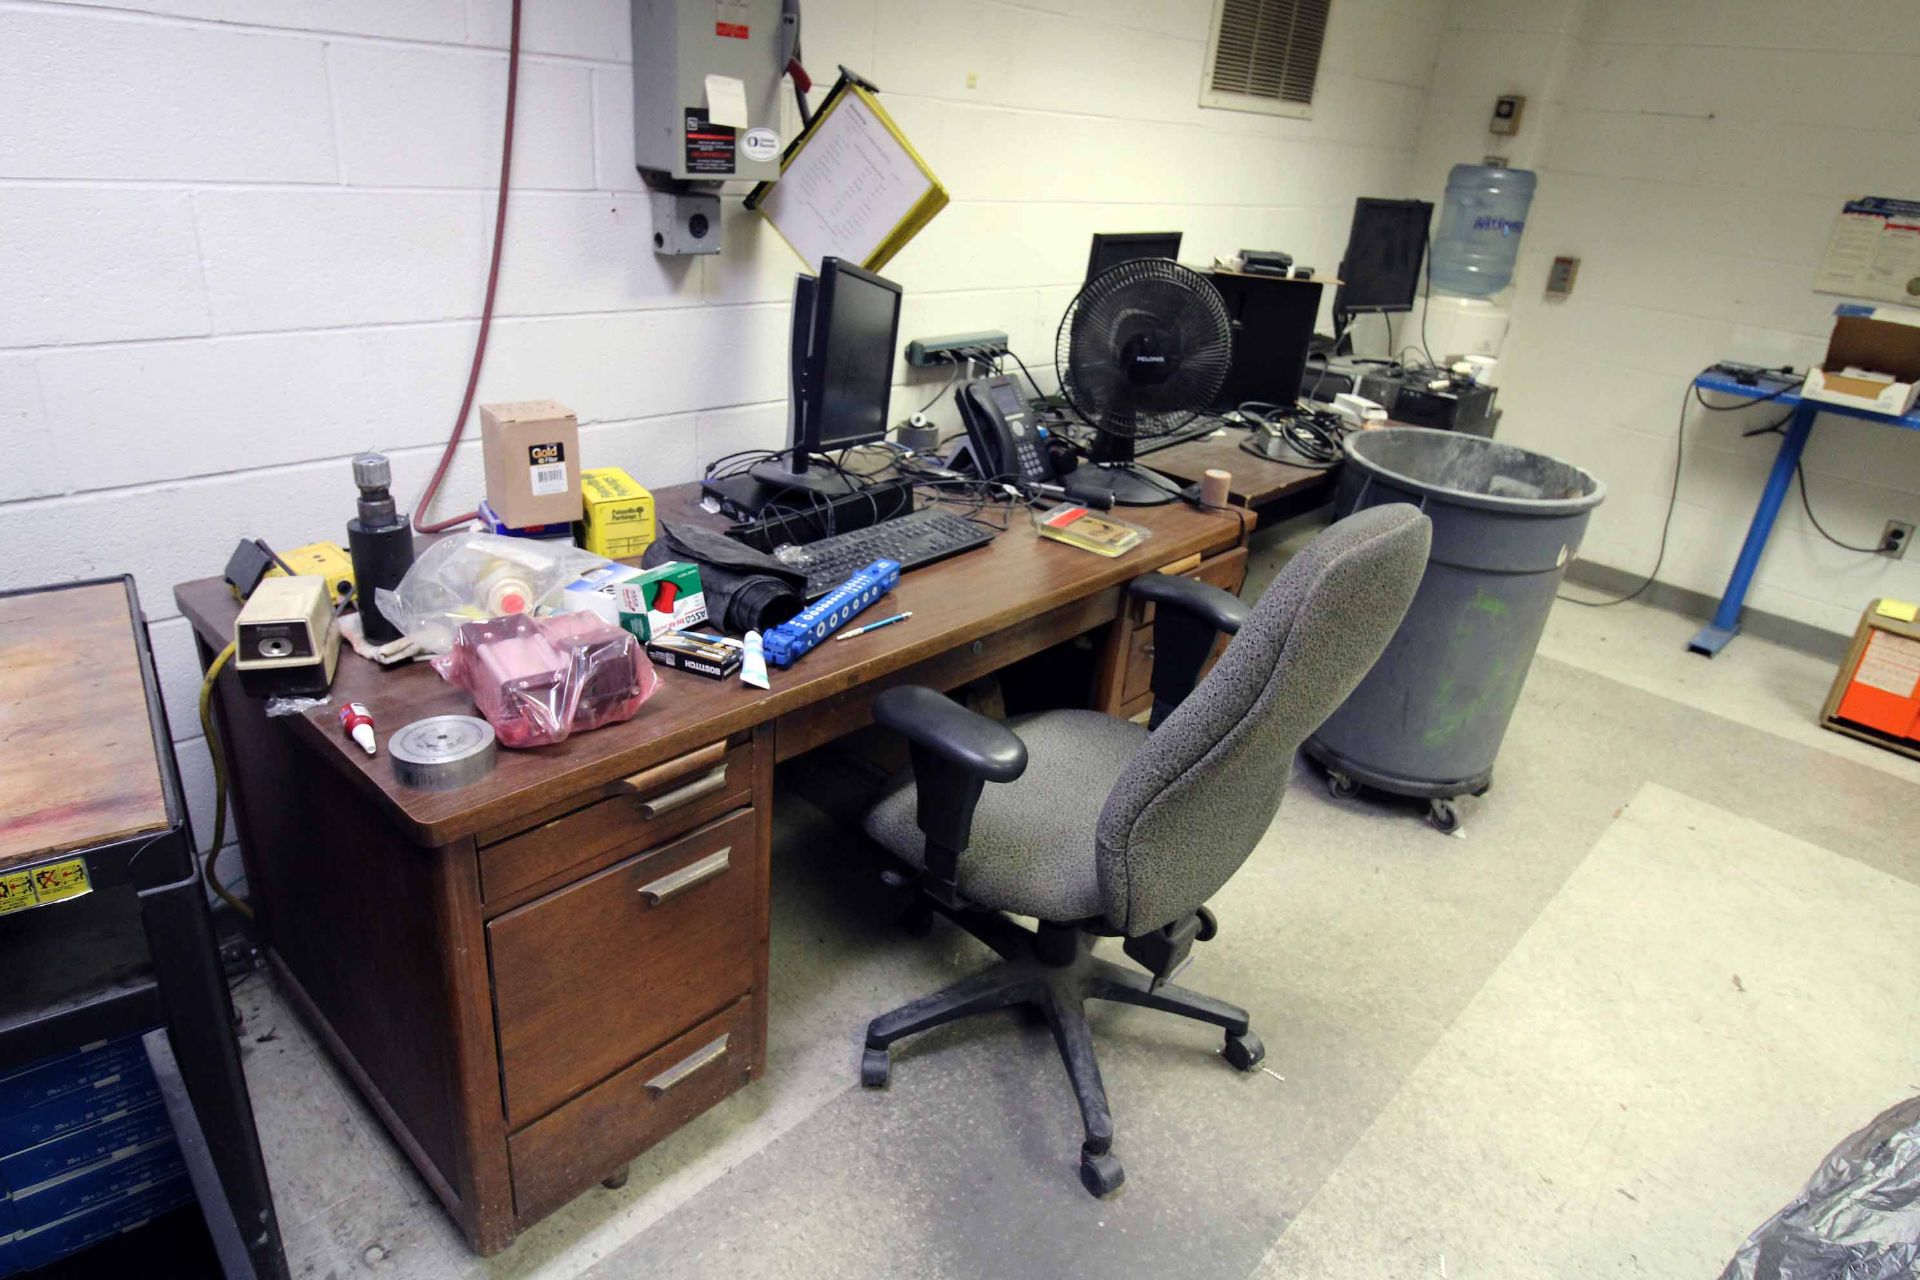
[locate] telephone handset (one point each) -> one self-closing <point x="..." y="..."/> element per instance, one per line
<point x="1001" y="433"/>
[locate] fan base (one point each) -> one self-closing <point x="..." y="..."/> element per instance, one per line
<point x="1129" y="484"/>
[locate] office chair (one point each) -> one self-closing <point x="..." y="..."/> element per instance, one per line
<point x="1100" y="827"/>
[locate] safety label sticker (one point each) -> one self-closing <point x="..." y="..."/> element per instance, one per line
<point x="37" y="886"/>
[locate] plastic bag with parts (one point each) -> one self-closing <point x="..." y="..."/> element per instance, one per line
<point x="1858" y="1217"/>
<point x="537" y="680"/>
<point x="469" y="577"/>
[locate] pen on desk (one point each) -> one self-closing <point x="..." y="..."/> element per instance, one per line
<point x="874" y="626"/>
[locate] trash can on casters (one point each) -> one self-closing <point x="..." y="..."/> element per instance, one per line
<point x="1428" y="719"/>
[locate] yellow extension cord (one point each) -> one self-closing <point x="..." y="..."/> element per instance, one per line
<point x="219" y="784"/>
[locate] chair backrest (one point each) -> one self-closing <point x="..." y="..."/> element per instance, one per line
<point x="1201" y="791"/>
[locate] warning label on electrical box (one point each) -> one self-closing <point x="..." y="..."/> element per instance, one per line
<point x="709" y="146"/>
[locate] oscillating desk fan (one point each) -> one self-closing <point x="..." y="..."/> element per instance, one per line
<point x="1143" y="348"/>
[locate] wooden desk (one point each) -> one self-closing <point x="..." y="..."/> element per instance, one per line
<point x="1273" y="491"/>
<point x="487" y="963"/>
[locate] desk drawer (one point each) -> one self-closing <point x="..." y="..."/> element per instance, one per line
<point x="591" y="977"/>
<point x="662" y="803"/>
<point x="560" y="1155"/>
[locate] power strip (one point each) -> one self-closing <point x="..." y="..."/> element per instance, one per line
<point x="924" y="353"/>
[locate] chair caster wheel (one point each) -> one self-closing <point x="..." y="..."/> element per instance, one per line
<point x="1443" y="817"/>
<point x="1243" y="1052"/>
<point x="1101" y="1174"/>
<point x="1209" y="926"/>
<point x="1341" y="787"/>
<point x="874" y="1066"/>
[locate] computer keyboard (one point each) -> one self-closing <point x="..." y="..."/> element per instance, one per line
<point x="916" y="539"/>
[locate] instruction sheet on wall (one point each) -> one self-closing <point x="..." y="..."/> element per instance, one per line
<point x="1874" y="251"/>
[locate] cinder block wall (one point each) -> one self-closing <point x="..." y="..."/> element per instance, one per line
<point x="241" y="240"/>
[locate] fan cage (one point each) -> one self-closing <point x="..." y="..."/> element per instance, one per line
<point x="1156" y="305"/>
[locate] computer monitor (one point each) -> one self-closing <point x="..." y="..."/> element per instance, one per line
<point x="1111" y="248"/>
<point x="1385" y="247"/>
<point x="845" y="326"/>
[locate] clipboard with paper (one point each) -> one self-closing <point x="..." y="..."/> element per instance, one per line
<point x="851" y="185"/>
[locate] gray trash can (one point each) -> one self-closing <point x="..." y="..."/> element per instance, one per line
<point x="1428" y="719"/>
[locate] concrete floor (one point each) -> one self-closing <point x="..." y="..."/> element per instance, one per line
<point x="1607" y="1029"/>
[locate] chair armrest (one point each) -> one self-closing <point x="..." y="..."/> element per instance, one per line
<point x="956" y="752"/>
<point x="958" y="737"/>
<point x="1221" y="610"/>
<point x="1188" y="616"/>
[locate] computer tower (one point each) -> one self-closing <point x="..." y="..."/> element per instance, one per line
<point x="1273" y="322"/>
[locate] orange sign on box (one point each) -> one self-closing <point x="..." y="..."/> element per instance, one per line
<point x="1884" y="691"/>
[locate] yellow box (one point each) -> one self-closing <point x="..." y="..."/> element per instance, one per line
<point x="616" y="514"/>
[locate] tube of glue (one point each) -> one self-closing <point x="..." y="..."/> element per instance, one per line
<point x="357" y="722"/>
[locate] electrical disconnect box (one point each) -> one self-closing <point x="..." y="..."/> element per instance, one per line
<point x="706" y="107"/>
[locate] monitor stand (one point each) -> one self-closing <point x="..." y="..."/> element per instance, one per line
<point x="817" y="482"/>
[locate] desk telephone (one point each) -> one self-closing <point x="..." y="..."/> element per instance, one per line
<point x="1001" y="432"/>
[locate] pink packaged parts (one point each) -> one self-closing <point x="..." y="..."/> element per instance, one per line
<point x="536" y="680"/>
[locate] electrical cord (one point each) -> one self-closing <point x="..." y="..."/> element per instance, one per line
<point x="1806" y="504"/>
<point x="219" y="785"/>
<point x="1426" y="304"/>
<point x="1673" y="491"/>
<point x="1318" y="440"/>
<point x="486" y="306"/>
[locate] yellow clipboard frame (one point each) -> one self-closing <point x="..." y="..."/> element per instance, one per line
<point x="923" y="211"/>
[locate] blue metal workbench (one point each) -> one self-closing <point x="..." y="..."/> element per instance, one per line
<point x="1771" y="389"/>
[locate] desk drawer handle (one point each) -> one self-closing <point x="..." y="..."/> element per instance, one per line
<point x="686" y="877"/>
<point x="705" y="1056"/>
<point x="667" y="801"/>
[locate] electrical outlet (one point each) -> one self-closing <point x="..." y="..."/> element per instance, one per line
<point x="1894" y="539"/>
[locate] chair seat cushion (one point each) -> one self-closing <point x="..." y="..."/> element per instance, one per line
<point x="1032" y="847"/>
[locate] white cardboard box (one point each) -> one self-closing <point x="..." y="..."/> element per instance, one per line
<point x="1872" y="362"/>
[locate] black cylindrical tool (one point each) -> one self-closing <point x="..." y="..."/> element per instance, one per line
<point x="381" y="543"/>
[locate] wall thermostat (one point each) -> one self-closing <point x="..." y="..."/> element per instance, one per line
<point x="1506" y="113"/>
<point x="1560" y="276"/>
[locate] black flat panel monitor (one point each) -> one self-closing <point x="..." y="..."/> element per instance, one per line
<point x="845" y="326"/>
<point x="1111" y="248"/>
<point x="1385" y="247"/>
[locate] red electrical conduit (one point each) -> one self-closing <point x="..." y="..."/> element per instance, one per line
<point x="486" y="308"/>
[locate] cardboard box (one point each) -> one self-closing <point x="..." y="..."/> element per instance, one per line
<point x="597" y="591"/>
<point x="532" y="451"/>
<point x="616" y="519"/>
<point x="667" y="597"/>
<point x="712" y="657"/>
<point x="87" y="1072"/>
<point x="490" y="522"/>
<point x="120" y="1131"/>
<point x="1872" y="361"/>
<point x="1876" y="693"/>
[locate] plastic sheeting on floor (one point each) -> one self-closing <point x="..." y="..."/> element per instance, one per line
<point x="1858" y="1218"/>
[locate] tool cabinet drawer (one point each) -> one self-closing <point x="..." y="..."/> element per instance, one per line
<point x="560" y="1155"/>
<point x="591" y="977"/>
<point x="649" y="807"/>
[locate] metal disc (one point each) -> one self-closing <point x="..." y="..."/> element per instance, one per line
<point x="442" y="752"/>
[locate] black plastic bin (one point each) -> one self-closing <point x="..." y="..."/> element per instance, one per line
<point x="1428" y="719"/>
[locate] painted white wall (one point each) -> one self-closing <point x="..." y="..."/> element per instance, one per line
<point x="244" y="239"/>
<point x="1693" y="154"/>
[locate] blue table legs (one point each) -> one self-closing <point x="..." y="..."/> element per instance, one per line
<point x="1713" y="637"/>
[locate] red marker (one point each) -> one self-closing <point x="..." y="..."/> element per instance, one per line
<point x="357" y="722"/>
